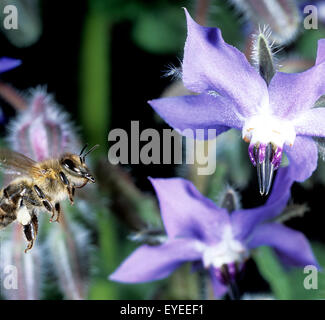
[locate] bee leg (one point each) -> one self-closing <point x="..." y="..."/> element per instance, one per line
<point x="58" y="212"/>
<point x="71" y="194"/>
<point x="29" y="236"/>
<point x="39" y="192"/>
<point x="30" y="231"/>
<point x="35" y="223"/>
<point x="70" y="189"/>
<point x="48" y="206"/>
<point x="46" y="203"/>
<point x="29" y="222"/>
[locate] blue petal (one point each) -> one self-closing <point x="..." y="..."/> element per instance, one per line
<point x="292" y="245"/>
<point x="197" y="113"/>
<point x="311" y="123"/>
<point x="303" y="157"/>
<point x="293" y="93"/>
<point x="219" y="289"/>
<point x="244" y="221"/>
<point x="2" y="116"/>
<point x="211" y="64"/>
<point x="149" y="263"/>
<point x="186" y="212"/>
<point x="8" y="64"/>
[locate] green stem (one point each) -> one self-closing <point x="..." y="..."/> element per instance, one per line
<point x="95" y="78"/>
<point x="102" y="288"/>
<point x="203" y="293"/>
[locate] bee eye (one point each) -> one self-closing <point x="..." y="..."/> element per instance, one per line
<point x="69" y="164"/>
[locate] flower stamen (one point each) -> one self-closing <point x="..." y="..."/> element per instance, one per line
<point x="265" y="167"/>
<point x="266" y="136"/>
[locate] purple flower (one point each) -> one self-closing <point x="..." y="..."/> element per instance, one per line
<point x="7" y="64"/>
<point x="273" y="117"/>
<point x="199" y="231"/>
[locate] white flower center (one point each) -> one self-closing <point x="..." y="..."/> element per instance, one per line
<point x="268" y="129"/>
<point x="228" y="250"/>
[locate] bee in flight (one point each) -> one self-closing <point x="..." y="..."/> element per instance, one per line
<point x="39" y="185"/>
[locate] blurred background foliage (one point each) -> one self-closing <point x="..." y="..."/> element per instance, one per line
<point x="103" y="59"/>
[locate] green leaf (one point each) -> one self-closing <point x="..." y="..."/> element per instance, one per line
<point x="223" y="17"/>
<point x="289" y="284"/>
<point x="307" y="45"/>
<point x="272" y="271"/>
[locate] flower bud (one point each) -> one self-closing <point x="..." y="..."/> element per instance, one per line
<point x="43" y="130"/>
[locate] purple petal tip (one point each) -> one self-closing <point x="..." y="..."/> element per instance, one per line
<point x="7" y="64"/>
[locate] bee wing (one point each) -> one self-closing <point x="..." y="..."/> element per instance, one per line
<point x="12" y="162"/>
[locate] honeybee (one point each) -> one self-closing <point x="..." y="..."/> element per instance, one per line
<point x="39" y="185"/>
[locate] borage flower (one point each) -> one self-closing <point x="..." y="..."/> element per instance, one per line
<point x="274" y="110"/>
<point x="200" y="232"/>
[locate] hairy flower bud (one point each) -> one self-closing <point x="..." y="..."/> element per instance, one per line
<point x="43" y="130"/>
<point x="229" y="199"/>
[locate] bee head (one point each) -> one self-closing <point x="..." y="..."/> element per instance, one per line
<point x="76" y="166"/>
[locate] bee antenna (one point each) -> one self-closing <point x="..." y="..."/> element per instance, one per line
<point x="83" y="149"/>
<point x="89" y="151"/>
